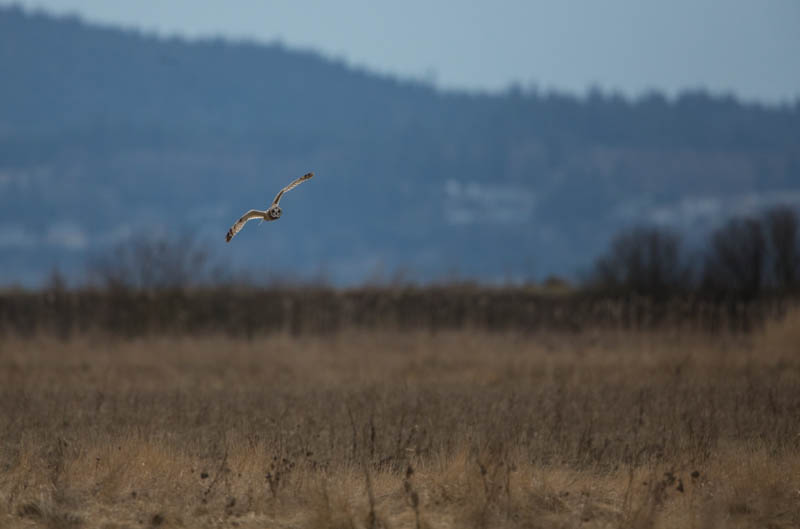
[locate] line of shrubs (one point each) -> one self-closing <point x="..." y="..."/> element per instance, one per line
<point x="748" y="272"/>
<point x="746" y="259"/>
<point x="258" y="311"/>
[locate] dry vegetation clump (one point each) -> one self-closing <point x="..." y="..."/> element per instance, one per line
<point x="391" y="429"/>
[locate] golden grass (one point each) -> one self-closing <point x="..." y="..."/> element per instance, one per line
<point x="385" y="429"/>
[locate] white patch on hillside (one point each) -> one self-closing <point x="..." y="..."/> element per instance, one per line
<point x="692" y="211"/>
<point x="67" y="235"/>
<point x="470" y="202"/>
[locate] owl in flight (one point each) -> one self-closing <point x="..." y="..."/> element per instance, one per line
<point x="272" y="213"/>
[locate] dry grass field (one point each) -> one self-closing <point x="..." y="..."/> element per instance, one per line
<point x="403" y="430"/>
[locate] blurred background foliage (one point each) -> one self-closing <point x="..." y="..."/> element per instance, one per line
<point x="108" y="134"/>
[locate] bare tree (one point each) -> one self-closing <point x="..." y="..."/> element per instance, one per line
<point x="782" y="228"/>
<point x="147" y="262"/>
<point x="646" y="260"/>
<point x="736" y="260"/>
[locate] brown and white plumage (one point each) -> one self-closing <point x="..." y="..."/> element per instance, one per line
<point x="272" y="213"/>
<point x="290" y="187"/>
<point x="250" y="215"/>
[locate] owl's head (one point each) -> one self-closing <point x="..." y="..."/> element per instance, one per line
<point x="275" y="212"/>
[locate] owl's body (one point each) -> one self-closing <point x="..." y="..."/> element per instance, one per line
<point x="274" y="212"/>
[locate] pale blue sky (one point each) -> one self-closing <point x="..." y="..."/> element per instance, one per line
<point x="746" y="47"/>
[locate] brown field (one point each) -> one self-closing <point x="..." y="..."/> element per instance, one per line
<point x="399" y="429"/>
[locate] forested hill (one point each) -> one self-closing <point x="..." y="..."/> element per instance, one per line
<point x="104" y="132"/>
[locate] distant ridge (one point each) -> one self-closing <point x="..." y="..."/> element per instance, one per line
<point x="97" y="120"/>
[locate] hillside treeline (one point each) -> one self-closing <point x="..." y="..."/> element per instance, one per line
<point x="114" y="130"/>
<point x="200" y="89"/>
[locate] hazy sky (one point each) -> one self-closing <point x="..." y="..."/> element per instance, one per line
<point x="748" y="47"/>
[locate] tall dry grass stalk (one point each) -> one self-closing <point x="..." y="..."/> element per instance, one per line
<point x="391" y="429"/>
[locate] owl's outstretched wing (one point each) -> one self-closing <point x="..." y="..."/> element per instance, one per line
<point x="250" y="215"/>
<point x="291" y="186"/>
